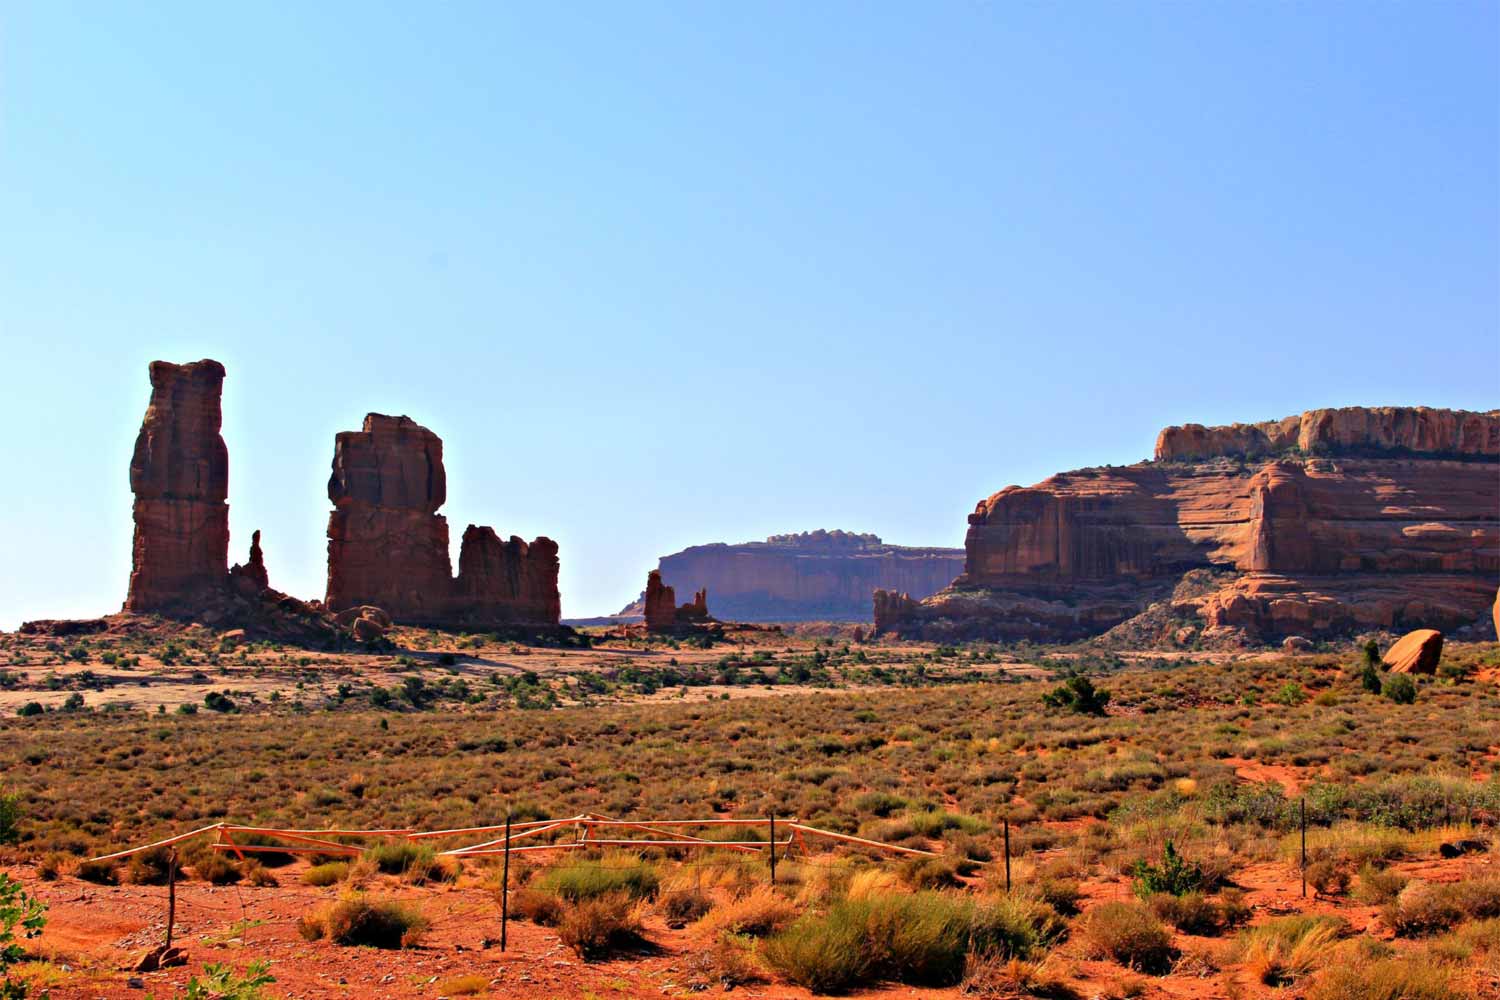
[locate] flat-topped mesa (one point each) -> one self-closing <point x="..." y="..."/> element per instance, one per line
<point x="388" y="546"/>
<point x="179" y="474"/>
<point x="664" y="614"/>
<point x="1351" y="519"/>
<point x="805" y="576"/>
<point x="1369" y="431"/>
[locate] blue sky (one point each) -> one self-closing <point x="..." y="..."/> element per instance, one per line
<point x="668" y="274"/>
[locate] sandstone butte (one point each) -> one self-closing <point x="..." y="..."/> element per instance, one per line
<point x="179" y="474"/>
<point x="811" y="576"/>
<point x="388" y="545"/>
<point x="1327" y="523"/>
<point x="664" y="614"/>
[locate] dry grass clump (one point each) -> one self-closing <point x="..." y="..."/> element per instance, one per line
<point x="993" y="976"/>
<point x="1428" y="907"/>
<point x="541" y="908"/>
<point x="1286" y="950"/>
<point x="1387" y="979"/>
<point x="98" y="872"/>
<point x="1195" y="913"/>
<point x="1377" y="886"/>
<point x="923" y="939"/>
<point x="463" y="986"/>
<point x="598" y="926"/>
<point x="153" y="867"/>
<point x="1130" y="934"/>
<point x="358" y="920"/>
<point x="760" y="913"/>
<point x="415" y="863"/>
<point x="615" y="872"/>
<point x="327" y="874"/>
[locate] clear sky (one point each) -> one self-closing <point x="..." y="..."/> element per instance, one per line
<point x="664" y="275"/>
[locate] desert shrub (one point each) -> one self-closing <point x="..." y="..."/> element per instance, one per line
<point x="216" y="868"/>
<point x="1079" y="694"/>
<point x="824" y="955"/>
<point x="50" y="867"/>
<point x="609" y="875"/>
<point x="1400" y="689"/>
<point x="98" y="872"/>
<point x="759" y="913"/>
<point x="931" y="873"/>
<point x="681" y="907"/>
<point x="1327" y="877"/>
<point x="1130" y="934"/>
<point x="256" y="874"/>
<point x="10" y="817"/>
<point x="1062" y="894"/>
<point x="596" y="926"/>
<point x="1191" y="913"/>
<point x="416" y="863"/>
<point x="357" y="920"/>
<point x="1285" y="950"/>
<point x="922" y="939"/>
<point x="1427" y="908"/>
<point x="21" y="918"/>
<point x="1174" y="876"/>
<point x="151" y="867"/>
<point x="1387" y="979"/>
<point x="1377" y="886"/>
<point x="541" y="908"/>
<point x="326" y="874"/>
<point x="222" y="982"/>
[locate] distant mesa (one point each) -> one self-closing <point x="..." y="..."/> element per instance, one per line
<point x="1320" y="524"/>
<point x="812" y="576"/>
<point x="388" y="546"/>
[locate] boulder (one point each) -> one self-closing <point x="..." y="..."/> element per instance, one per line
<point x="1296" y="644"/>
<point x="1415" y="652"/>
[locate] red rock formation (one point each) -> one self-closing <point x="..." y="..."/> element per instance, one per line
<point x="663" y="614"/>
<point x="1416" y="652"/>
<point x="180" y="476"/>
<point x="388" y="546"/>
<point x="1380" y="518"/>
<point x="816" y="575"/>
<point x="252" y="577"/>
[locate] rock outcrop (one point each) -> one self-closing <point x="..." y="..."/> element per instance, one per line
<point x="1330" y="522"/>
<point x="1416" y="652"/>
<point x="179" y="474"/>
<point x="664" y="614"/>
<point x="812" y="576"/>
<point x="388" y="545"/>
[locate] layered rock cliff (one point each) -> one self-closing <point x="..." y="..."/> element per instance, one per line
<point x="812" y="576"/>
<point x="1327" y="522"/>
<point x="179" y="474"/>
<point x="388" y="545"/>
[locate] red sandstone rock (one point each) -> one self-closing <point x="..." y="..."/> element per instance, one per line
<point x="251" y="577"/>
<point x="663" y="614"/>
<point x="180" y="476"/>
<point x="1350" y="429"/>
<point x="1397" y="535"/>
<point x="388" y="546"/>
<point x="815" y="575"/>
<point x="1415" y="653"/>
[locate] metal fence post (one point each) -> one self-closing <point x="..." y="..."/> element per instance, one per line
<point x="171" y="894"/>
<point x="772" y="839"/>
<point x="505" y="885"/>
<point x="1007" y="854"/>
<point x="1303" y="804"/>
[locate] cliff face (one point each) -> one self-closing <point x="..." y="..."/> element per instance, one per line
<point x="388" y="545"/>
<point x="820" y="575"/>
<point x="662" y="612"/>
<point x="179" y="474"/>
<point x="1331" y="521"/>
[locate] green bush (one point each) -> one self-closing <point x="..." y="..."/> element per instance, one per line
<point x="1079" y="694"/>
<point x="417" y="863"/>
<point x="1174" y="876"/>
<point x="1400" y="689"/>
<point x="587" y="879"/>
<point x="21" y="918"/>
<point x="10" y="817"/>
